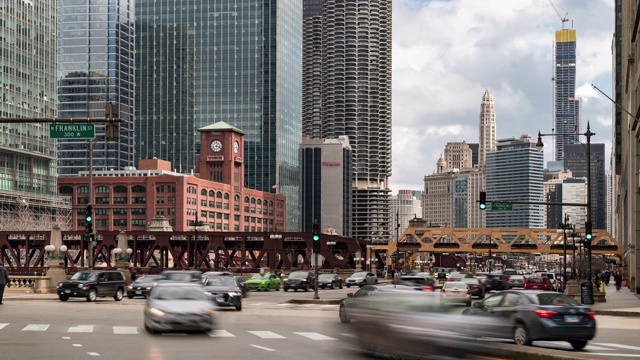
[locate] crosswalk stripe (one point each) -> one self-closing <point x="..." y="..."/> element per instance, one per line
<point x="125" y="330"/>
<point x="221" y="333"/>
<point x="314" y="336"/>
<point x="81" y="329"/>
<point x="621" y="346"/>
<point x="3" y="325"/>
<point x="36" y="327"/>
<point x="266" y="334"/>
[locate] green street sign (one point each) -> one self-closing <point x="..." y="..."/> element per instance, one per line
<point x="393" y="256"/>
<point x="72" y="131"/>
<point x="501" y="206"/>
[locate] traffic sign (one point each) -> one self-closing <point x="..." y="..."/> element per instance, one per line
<point x="72" y="131"/>
<point x="496" y="206"/>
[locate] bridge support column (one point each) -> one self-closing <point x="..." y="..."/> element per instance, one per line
<point x="56" y="272"/>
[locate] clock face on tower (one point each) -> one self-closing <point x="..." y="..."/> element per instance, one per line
<point x="216" y="145"/>
<point x="236" y="147"/>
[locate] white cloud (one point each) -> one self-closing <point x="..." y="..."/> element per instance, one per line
<point x="446" y="53"/>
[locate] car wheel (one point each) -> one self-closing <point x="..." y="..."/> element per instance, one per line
<point x="286" y="289"/>
<point x="239" y="307"/>
<point x="149" y="330"/>
<point x="348" y="286"/>
<point x="521" y="335"/>
<point x="306" y="287"/>
<point x="295" y="289"/>
<point x="375" y="281"/>
<point x="118" y="295"/>
<point x="468" y="304"/>
<point x="343" y="315"/>
<point x="278" y="288"/>
<point x="92" y="295"/>
<point x="340" y="286"/>
<point x="578" y="344"/>
<point x="63" y="297"/>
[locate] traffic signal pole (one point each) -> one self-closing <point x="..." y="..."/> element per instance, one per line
<point x="89" y="237"/>
<point x="315" y="237"/>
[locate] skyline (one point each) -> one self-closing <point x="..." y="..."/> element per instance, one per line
<point x="440" y="76"/>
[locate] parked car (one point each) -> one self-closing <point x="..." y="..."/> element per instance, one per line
<point x="455" y="292"/>
<point x="92" y="285"/>
<point x="516" y="281"/>
<point x="538" y="315"/>
<point x="477" y="288"/>
<point x="141" y="286"/>
<point x="359" y="298"/>
<point x="224" y="291"/>
<point x="180" y="276"/>
<point x="178" y="306"/>
<point x="361" y="279"/>
<point x="263" y="282"/>
<point x="331" y="281"/>
<point x="417" y="282"/>
<point x="302" y="279"/>
<point x="539" y="282"/>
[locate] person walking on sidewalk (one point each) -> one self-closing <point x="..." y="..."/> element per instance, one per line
<point x="618" y="279"/>
<point x="4" y="280"/>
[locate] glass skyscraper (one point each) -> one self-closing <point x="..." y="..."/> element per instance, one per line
<point x="96" y="66"/>
<point x="567" y="117"/>
<point x="238" y="61"/>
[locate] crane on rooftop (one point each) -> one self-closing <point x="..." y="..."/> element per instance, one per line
<point x="564" y="18"/>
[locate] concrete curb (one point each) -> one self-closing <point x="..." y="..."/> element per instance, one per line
<point x="317" y="302"/>
<point x="617" y="313"/>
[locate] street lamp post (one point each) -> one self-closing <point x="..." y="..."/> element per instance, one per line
<point x="588" y="134"/>
<point x="371" y="248"/>
<point x="275" y="237"/>
<point x="564" y="228"/>
<point x="331" y="243"/>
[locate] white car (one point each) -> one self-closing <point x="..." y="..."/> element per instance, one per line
<point x="361" y="279"/>
<point x="455" y="292"/>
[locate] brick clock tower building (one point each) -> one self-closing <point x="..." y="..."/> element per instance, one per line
<point x="130" y="199"/>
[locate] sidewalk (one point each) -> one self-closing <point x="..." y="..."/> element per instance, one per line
<point x="619" y="303"/>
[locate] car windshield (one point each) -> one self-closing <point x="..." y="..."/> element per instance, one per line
<point x="176" y="277"/>
<point x="516" y="277"/>
<point x="178" y="293"/>
<point x="326" y="277"/>
<point x="455" y="285"/>
<point x="84" y="276"/>
<point x="359" y="275"/>
<point x="470" y="280"/>
<point x="260" y="277"/>
<point x="146" y="279"/>
<point x="220" y="281"/>
<point x="419" y="281"/>
<point x="533" y="280"/>
<point x="556" y="299"/>
<point x="298" y="275"/>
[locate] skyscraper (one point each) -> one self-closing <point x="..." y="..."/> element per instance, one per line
<point x="487" y="128"/>
<point x="96" y="66"/>
<point x="234" y="61"/>
<point x="567" y="117"/>
<point x="576" y="161"/>
<point x="458" y="155"/>
<point x="406" y="205"/>
<point x="28" y="193"/>
<point x="355" y="57"/>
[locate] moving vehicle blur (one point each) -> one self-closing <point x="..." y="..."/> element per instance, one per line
<point x="476" y="287"/>
<point x="178" y="306"/>
<point x="455" y="292"/>
<point x="180" y="276"/>
<point x="354" y="300"/>
<point x="224" y="291"/>
<point x="331" y="281"/>
<point x="421" y="283"/>
<point x="361" y="279"/>
<point x="141" y="286"/>
<point x="537" y="315"/>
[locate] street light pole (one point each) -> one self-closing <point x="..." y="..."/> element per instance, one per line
<point x="331" y="243"/>
<point x="564" y="228"/>
<point x="275" y="237"/>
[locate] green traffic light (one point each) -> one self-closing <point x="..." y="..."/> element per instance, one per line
<point x="483" y="206"/>
<point x="316" y="237"/>
<point x="89" y="218"/>
<point x="588" y="236"/>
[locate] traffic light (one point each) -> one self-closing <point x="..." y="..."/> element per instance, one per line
<point x="88" y="218"/>
<point x="588" y="231"/>
<point x="483" y="200"/>
<point x="316" y="238"/>
<point x="490" y="260"/>
<point x="430" y="257"/>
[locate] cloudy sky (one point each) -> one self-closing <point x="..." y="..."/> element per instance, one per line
<point x="446" y="53"/>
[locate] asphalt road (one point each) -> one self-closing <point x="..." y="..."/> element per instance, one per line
<point x="267" y="328"/>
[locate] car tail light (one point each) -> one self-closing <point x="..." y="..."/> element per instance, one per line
<point x="427" y="288"/>
<point x="545" y="314"/>
<point x="510" y="280"/>
<point x="591" y="314"/>
<point x="468" y="291"/>
<point x="443" y="290"/>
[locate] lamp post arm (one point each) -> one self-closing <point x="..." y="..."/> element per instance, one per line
<point x="615" y="103"/>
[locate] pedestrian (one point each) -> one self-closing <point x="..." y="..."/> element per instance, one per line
<point x="606" y="277"/>
<point x="618" y="279"/>
<point x="4" y="280"/>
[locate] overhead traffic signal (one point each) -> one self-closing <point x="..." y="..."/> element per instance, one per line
<point x="483" y="200"/>
<point x="316" y="238"/>
<point x="88" y="218"/>
<point x="588" y="231"/>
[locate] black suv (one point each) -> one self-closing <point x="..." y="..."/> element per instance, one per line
<point x="93" y="284"/>
<point x="300" y="280"/>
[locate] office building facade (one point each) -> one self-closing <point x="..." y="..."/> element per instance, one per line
<point x="566" y="106"/>
<point x="487" y="133"/>
<point x="458" y="155"/>
<point x="233" y="61"/>
<point x="405" y="205"/>
<point x="96" y="67"/>
<point x="576" y="161"/>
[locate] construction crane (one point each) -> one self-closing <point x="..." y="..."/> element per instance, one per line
<point x="564" y="18"/>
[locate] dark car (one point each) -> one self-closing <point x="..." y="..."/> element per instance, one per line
<point x="180" y="276"/>
<point x="92" y="285"/>
<point x="361" y="279"/>
<point x="496" y="282"/>
<point x="301" y="279"/>
<point x="243" y="286"/>
<point x="441" y="274"/>
<point x="331" y="281"/>
<point x="538" y="315"/>
<point x="477" y="288"/>
<point x="353" y="301"/>
<point x="421" y="283"/>
<point x="224" y="291"/>
<point x="141" y="286"/>
<point x="178" y="306"/>
<point x="516" y="281"/>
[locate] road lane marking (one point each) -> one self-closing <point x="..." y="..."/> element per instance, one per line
<point x="66" y="338"/>
<point x="81" y="329"/>
<point x="3" y="325"/>
<point x="93" y="353"/>
<point x="221" y="333"/>
<point x="262" y="347"/>
<point x="36" y="327"/>
<point x="621" y="346"/>
<point x="125" y="330"/>
<point x="314" y="336"/>
<point x="77" y="345"/>
<point x="266" y="334"/>
<point x="348" y="335"/>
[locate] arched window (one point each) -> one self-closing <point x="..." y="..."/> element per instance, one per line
<point x="83" y="189"/>
<point x="246" y="199"/>
<point x="138" y="189"/>
<point x="120" y="189"/>
<point x="253" y="200"/>
<point x="259" y="201"/>
<point x="271" y="203"/>
<point x="66" y="190"/>
<point x="203" y="192"/>
<point x="219" y="195"/>
<point x="226" y="196"/>
<point x="236" y="198"/>
<point x="102" y="190"/>
<point x="211" y="193"/>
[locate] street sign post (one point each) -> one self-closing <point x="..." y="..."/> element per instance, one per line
<point x="72" y="131"/>
<point x="496" y="206"/>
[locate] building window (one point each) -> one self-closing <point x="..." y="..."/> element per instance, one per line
<point x="101" y="211"/>
<point x="119" y="200"/>
<point x="83" y="189"/>
<point x="246" y="219"/>
<point x="119" y="211"/>
<point x="102" y="222"/>
<point x="212" y="204"/>
<point x="171" y="199"/>
<point x="219" y="195"/>
<point x="120" y="189"/>
<point x="212" y="214"/>
<point x="253" y="210"/>
<point x="236" y="217"/>
<point x="81" y="222"/>
<point x="219" y="215"/>
<point x="203" y="202"/>
<point x="211" y="193"/>
<point x="139" y="200"/>
<point x="81" y="211"/>
<point x="235" y="198"/>
<point x="172" y="211"/>
<point x="203" y="192"/>
<point x="160" y="200"/>
<point x="138" y="222"/>
<point x="259" y="201"/>
<point x="226" y="227"/>
<point x="225" y="206"/>
<point x="219" y="205"/>
<point x="203" y="214"/>
<point x="246" y="209"/>
<point x="138" y="189"/>
<point x="160" y="189"/>
<point x="246" y="228"/>
<point x="83" y="200"/>
<point x="119" y="222"/>
<point x="171" y="189"/>
<point x="102" y="190"/>
<point x="102" y="200"/>
<point x="246" y="199"/>
<point x="159" y="212"/>
<point x="138" y="211"/>
<point x="226" y="216"/>
<point x="236" y="207"/>
<point x="236" y="227"/>
<point x="66" y="190"/>
<point x="253" y="200"/>
<point x="219" y="226"/>
<point x="253" y="220"/>
<point x="226" y="196"/>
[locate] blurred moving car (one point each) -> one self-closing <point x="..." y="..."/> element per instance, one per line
<point x="476" y="287"/>
<point x="417" y="282"/>
<point x="301" y="279"/>
<point x="178" y="306"/>
<point x="400" y="323"/>
<point x="538" y="315"/>
<point x="141" y="286"/>
<point x="217" y="273"/>
<point x="538" y="282"/>
<point x="361" y="279"/>
<point x="243" y="286"/>
<point x="263" y="282"/>
<point x="224" y="291"/>
<point x="355" y="299"/>
<point x="331" y="281"/>
<point x="93" y="284"/>
<point x="455" y="292"/>
<point x="180" y="276"/>
<point x="516" y="281"/>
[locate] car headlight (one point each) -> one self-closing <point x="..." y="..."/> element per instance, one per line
<point x="156" y="312"/>
<point x="304" y="280"/>
<point x="129" y="287"/>
<point x="80" y="286"/>
<point x="59" y="285"/>
<point x="234" y="294"/>
<point x="207" y="292"/>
